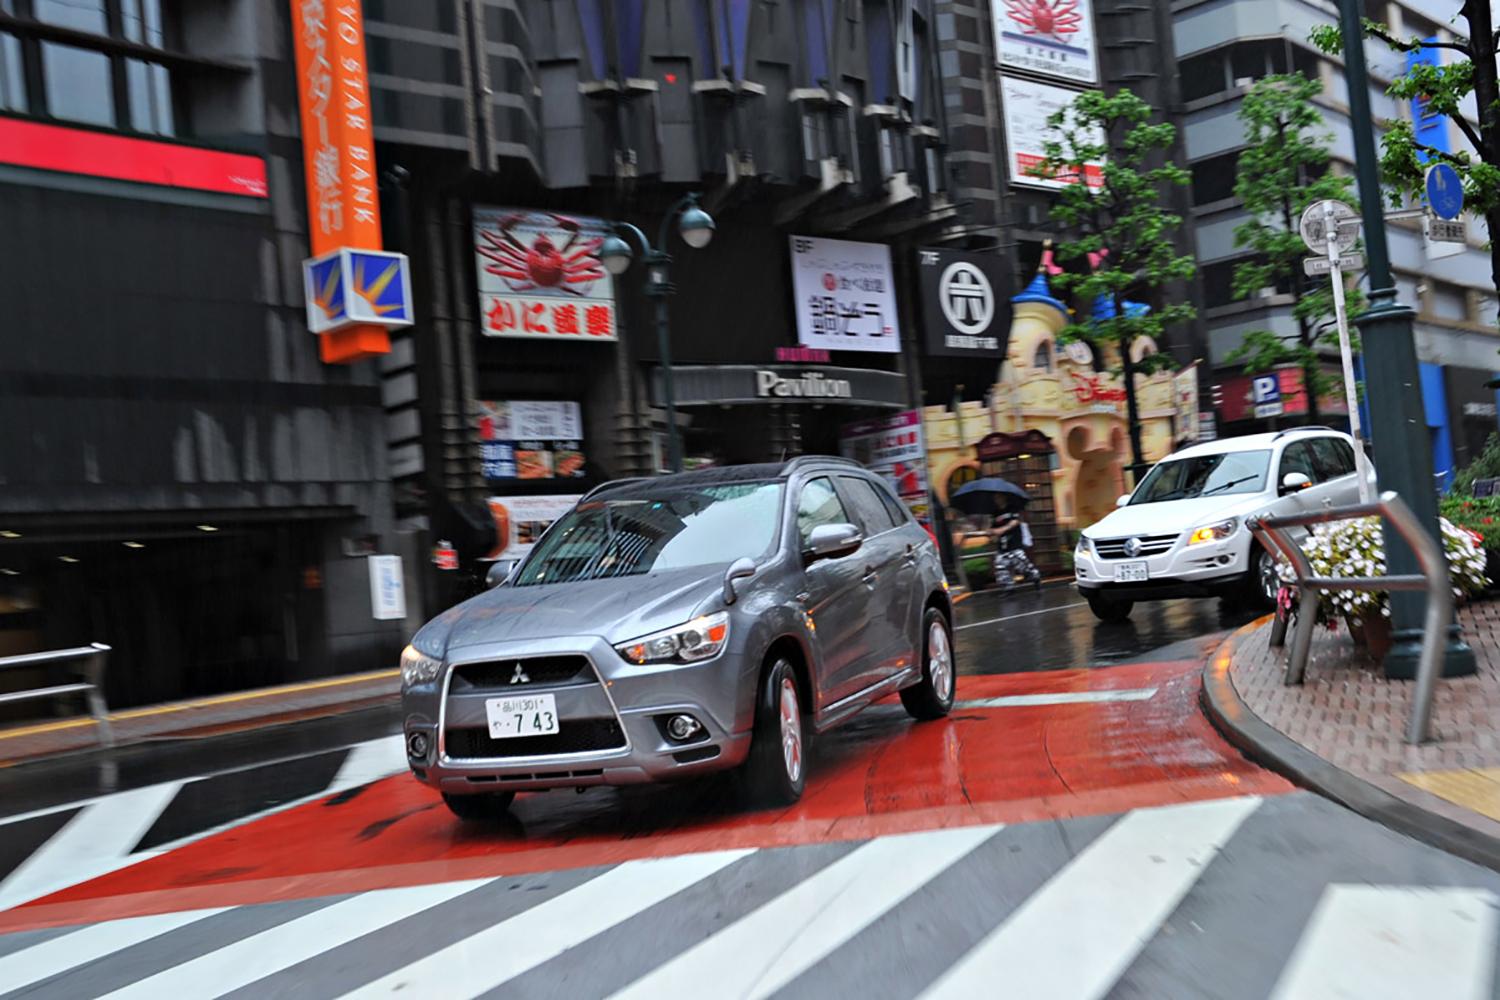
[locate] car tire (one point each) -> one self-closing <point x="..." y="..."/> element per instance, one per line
<point x="1110" y="611"/>
<point x="1261" y="575"/>
<point x="776" y="770"/>
<point x="932" y="696"/>
<point x="481" y="808"/>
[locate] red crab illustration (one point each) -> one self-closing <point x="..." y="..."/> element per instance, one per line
<point x="1057" y="19"/>
<point x="544" y="264"/>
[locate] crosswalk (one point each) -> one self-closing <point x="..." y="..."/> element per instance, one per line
<point x="1289" y="897"/>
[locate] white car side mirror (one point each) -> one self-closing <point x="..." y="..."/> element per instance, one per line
<point x="1294" y="481"/>
<point x="1123" y="500"/>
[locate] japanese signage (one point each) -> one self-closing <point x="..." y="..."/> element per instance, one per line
<point x="387" y="588"/>
<point x="520" y="521"/>
<point x="525" y="439"/>
<point x="1185" y="404"/>
<point x="1247" y="397"/>
<point x="1028" y="105"/>
<point x="965" y="303"/>
<point x="892" y="447"/>
<point x="1050" y="37"/>
<point x="845" y="295"/>
<point x="540" y="276"/>
<point x="338" y="152"/>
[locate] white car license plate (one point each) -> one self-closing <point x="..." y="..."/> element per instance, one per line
<point x="1134" y="572"/>
<point x="532" y="715"/>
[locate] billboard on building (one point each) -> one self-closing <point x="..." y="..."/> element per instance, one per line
<point x="520" y="521"/>
<point x="845" y="295"/>
<point x="893" y="447"/>
<point x="1028" y="105"/>
<point x="965" y="302"/>
<point x="540" y="276"/>
<point x="1050" y="37"/>
<point x="531" y="439"/>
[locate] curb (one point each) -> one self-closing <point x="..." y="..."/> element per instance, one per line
<point x="1270" y="747"/>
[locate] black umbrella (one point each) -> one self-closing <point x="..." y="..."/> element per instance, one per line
<point x="988" y="496"/>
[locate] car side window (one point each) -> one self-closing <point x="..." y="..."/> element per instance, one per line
<point x="866" y="502"/>
<point x="818" y="505"/>
<point x="1297" y="458"/>
<point x="899" y="513"/>
<point x="1346" y="455"/>
<point x="1330" y="459"/>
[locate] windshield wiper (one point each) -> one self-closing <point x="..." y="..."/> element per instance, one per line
<point x="1224" y="486"/>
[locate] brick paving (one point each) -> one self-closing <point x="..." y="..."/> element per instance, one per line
<point x="205" y="716"/>
<point x="1347" y="712"/>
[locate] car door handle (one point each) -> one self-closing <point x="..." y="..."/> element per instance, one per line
<point x="1327" y="502"/>
<point x="911" y="553"/>
<point x="870" y="574"/>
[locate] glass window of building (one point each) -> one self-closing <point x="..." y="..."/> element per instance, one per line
<point x="82" y="15"/>
<point x="1041" y="360"/>
<point x="12" y="80"/>
<point x="79" y="85"/>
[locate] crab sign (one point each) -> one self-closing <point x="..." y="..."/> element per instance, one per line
<point x="1057" y="19"/>
<point x="543" y="264"/>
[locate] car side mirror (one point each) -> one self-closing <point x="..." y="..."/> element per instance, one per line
<point x="1294" y="481"/>
<point x="500" y="571"/>
<point x="832" y="541"/>
<point x="1124" y="499"/>
<point x="742" y="568"/>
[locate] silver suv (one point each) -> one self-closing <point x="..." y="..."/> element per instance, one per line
<point x="674" y="626"/>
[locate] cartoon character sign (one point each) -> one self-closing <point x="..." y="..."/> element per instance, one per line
<point x="542" y="263"/>
<point x="1058" y="20"/>
<point x="540" y="276"/>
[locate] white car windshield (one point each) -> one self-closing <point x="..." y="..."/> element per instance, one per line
<point x="1204" y="476"/>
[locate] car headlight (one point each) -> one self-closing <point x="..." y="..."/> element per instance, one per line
<point x="417" y="667"/>
<point x="1085" y="547"/>
<point x="1214" y="532"/>
<point x="696" y="640"/>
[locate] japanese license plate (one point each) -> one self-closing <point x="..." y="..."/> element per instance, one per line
<point x="1132" y="572"/>
<point x="531" y="715"/>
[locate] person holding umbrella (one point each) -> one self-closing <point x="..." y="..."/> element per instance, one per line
<point x="1002" y="502"/>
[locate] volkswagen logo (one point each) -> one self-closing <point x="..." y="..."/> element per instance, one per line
<point x="520" y="676"/>
<point x="1132" y="549"/>
<point x="965" y="296"/>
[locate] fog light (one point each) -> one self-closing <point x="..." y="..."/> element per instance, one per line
<point x="416" y="746"/>
<point x="683" y="727"/>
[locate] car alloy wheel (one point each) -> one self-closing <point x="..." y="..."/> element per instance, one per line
<point x="791" y="730"/>
<point x="1270" y="583"/>
<point x="939" y="660"/>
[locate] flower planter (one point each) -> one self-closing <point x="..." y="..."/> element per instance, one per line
<point x="1377" y="636"/>
<point x="1356" y="630"/>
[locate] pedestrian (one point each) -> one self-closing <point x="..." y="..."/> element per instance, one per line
<point x="1012" y="537"/>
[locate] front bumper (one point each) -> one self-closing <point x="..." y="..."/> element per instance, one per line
<point x="619" y="705"/>
<point x="1211" y="569"/>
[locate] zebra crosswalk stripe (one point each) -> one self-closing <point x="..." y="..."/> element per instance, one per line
<point x="1077" y="933"/>
<point x="89" y="944"/>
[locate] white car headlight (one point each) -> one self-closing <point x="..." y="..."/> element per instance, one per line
<point x="417" y="667"/>
<point x="1214" y="532"/>
<point x="1085" y="547"/>
<point x="696" y="640"/>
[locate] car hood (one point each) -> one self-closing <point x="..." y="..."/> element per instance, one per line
<point x="1174" y="515"/>
<point x="618" y="609"/>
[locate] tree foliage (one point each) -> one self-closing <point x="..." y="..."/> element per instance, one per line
<point x="1468" y="78"/>
<point x="1118" y="228"/>
<point x="1283" y="169"/>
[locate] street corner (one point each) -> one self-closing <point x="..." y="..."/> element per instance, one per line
<point x="1015" y="749"/>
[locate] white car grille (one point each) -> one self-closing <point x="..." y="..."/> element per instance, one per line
<point x="1149" y="545"/>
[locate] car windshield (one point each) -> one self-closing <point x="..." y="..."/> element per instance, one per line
<point x="1204" y="476"/>
<point x="645" y="529"/>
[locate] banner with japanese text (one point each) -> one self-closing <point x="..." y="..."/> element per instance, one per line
<point x="540" y="276"/>
<point x="845" y="295"/>
<point x="894" y="448"/>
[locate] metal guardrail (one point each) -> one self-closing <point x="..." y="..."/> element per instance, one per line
<point x="1271" y="533"/>
<point x="91" y="685"/>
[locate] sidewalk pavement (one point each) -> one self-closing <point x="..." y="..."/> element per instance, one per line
<point x="203" y="716"/>
<point x="1341" y="731"/>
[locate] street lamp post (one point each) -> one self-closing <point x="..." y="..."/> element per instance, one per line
<point x="696" y="228"/>
<point x="1397" y="422"/>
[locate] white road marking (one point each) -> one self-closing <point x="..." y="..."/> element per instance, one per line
<point x="89" y="944"/>
<point x="1023" y="614"/>
<point x="369" y="761"/>
<point x="1076" y="934"/>
<point x="239" y="964"/>
<point x="763" y="951"/>
<point x="1059" y="698"/>
<point x="1369" y="941"/>
<point x="97" y="840"/>
<point x="497" y="954"/>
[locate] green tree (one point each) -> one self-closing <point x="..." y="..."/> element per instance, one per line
<point x="1120" y="227"/>
<point x="1471" y="73"/>
<point x="1283" y="169"/>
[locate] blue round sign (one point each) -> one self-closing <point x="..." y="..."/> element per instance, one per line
<point x="1445" y="191"/>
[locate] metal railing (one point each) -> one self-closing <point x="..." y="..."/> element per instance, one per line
<point x="1271" y="533"/>
<point x="91" y="660"/>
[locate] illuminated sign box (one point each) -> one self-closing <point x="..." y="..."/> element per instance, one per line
<point x="349" y="287"/>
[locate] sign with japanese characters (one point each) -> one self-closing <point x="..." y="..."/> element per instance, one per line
<point x="531" y="439"/>
<point x="1028" y="105"/>
<point x="965" y="302"/>
<point x="845" y="295"/>
<point x="520" y="521"/>
<point x="1050" y="37"/>
<point x="893" y="448"/>
<point x="540" y="276"/>
<point x="387" y="588"/>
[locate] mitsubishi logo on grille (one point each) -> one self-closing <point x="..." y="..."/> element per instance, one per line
<point x="1132" y="549"/>
<point x="520" y="676"/>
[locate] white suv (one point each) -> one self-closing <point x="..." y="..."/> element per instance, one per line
<point x="1182" y="532"/>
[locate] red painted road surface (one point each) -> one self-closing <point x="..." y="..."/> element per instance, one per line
<point x="882" y="774"/>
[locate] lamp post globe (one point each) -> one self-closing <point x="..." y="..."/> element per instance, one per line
<point x="696" y="227"/>
<point x="615" y="254"/>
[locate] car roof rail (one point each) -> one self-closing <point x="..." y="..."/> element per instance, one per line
<point x="1305" y="427"/>
<point x="612" y="484"/>
<point x="796" y="463"/>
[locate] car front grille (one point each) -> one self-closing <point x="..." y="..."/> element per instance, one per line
<point x="573" y="736"/>
<point x="537" y="671"/>
<point x="1151" y="545"/>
